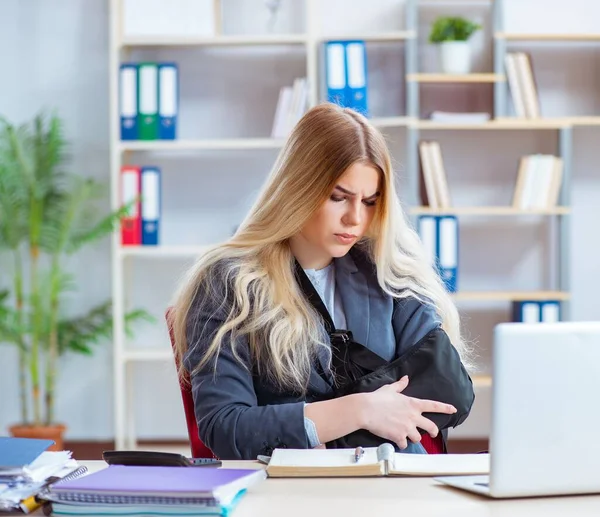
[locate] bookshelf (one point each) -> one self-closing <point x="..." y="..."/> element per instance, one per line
<point x="411" y="127"/>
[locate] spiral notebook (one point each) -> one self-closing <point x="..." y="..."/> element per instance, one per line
<point x="124" y="484"/>
<point x="376" y="461"/>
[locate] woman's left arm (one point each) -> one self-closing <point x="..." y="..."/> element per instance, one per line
<point x="440" y="374"/>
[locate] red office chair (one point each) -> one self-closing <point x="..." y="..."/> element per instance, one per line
<point x="433" y="445"/>
<point x="199" y="450"/>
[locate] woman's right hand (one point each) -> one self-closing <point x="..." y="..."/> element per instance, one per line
<point x="388" y="413"/>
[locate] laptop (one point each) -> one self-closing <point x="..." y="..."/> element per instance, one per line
<point x="545" y="435"/>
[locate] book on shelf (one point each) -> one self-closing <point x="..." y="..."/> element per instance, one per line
<point x="291" y="105"/>
<point x="522" y="84"/>
<point x="375" y="461"/>
<point x="539" y="179"/>
<point x="450" y="117"/>
<point x="148" y="101"/>
<point x="433" y="182"/>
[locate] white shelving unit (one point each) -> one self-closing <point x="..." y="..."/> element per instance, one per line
<point x="310" y="41"/>
<point x="119" y="48"/>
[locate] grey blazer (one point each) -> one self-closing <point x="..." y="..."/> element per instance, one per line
<point x="240" y="415"/>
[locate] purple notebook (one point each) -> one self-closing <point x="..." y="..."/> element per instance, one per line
<point x="170" y="482"/>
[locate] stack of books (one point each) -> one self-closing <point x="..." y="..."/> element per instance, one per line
<point x="522" y="84"/>
<point x="539" y="181"/>
<point x="153" y="490"/>
<point x="292" y="104"/>
<point x="433" y="182"/>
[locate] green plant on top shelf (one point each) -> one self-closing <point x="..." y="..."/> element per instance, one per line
<point x="452" y="28"/>
<point x="452" y="35"/>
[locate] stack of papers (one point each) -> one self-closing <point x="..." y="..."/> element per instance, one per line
<point x="46" y="465"/>
<point x="27" y="469"/>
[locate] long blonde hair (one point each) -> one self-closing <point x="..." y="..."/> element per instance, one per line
<point x="259" y="294"/>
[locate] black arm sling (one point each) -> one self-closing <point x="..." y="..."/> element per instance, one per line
<point x="432" y="364"/>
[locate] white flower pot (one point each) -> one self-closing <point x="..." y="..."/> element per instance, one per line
<point x="455" y="57"/>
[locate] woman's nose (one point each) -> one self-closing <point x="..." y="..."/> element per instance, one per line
<point x="353" y="216"/>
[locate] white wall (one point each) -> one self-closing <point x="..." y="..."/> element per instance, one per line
<point x="56" y="55"/>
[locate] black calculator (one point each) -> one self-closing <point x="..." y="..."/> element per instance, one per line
<point x="157" y="459"/>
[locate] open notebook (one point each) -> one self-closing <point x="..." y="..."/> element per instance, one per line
<point x="376" y="461"/>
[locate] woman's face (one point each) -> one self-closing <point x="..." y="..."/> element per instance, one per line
<point x="341" y="221"/>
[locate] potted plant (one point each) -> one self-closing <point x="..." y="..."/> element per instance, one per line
<point x="46" y="216"/>
<point x="452" y="34"/>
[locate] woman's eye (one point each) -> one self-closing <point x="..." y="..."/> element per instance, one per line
<point x="370" y="203"/>
<point x="336" y="199"/>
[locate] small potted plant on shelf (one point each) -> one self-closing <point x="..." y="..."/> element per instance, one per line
<point x="452" y="35"/>
<point x="46" y="216"/>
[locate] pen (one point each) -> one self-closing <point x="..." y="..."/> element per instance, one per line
<point x="263" y="459"/>
<point x="358" y="454"/>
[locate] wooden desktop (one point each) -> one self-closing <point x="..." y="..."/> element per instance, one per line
<point x="413" y="497"/>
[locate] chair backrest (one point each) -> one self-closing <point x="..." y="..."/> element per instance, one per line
<point x="433" y="445"/>
<point x="199" y="450"/>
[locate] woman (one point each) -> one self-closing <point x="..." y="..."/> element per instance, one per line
<point x="326" y="245"/>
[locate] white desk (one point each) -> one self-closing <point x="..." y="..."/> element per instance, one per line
<point x="411" y="497"/>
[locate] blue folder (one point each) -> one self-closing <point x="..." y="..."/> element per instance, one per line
<point x="151" y="197"/>
<point x="128" y="101"/>
<point x="16" y="453"/>
<point x="168" y="100"/>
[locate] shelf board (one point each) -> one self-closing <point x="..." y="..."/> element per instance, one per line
<point x="455" y="78"/>
<point x="488" y="210"/>
<point x="392" y="121"/>
<point x="217" y="41"/>
<point x="200" y="145"/>
<point x="515" y="123"/>
<point x="260" y="39"/>
<point x="547" y="36"/>
<point x="583" y="120"/>
<point x="455" y="2"/>
<point x="369" y="36"/>
<point x="148" y="354"/>
<point x="510" y="295"/>
<point x="162" y="251"/>
<point x="482" y="381"/>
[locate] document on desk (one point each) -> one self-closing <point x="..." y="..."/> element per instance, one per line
<point x="374" y="461"/>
